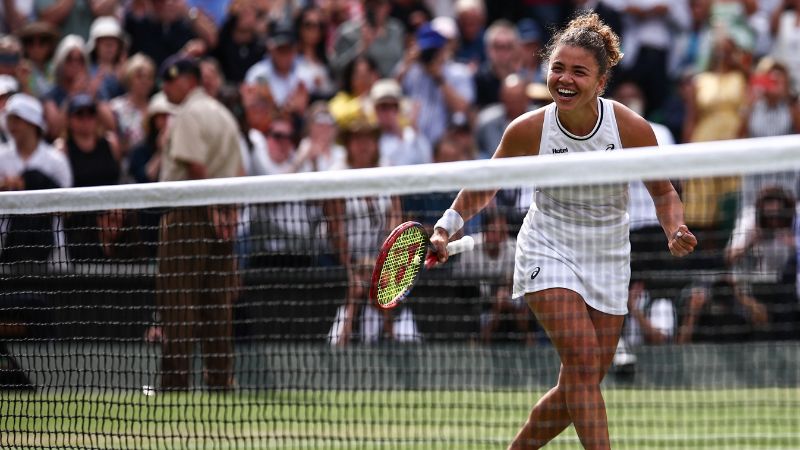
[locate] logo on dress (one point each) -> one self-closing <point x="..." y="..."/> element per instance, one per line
<point x="560" y="150"/>
<point x="535" y="272"/>
<point x="610" y="147"/>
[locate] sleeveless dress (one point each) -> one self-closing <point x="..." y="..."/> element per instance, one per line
<point x="577" y="237"/>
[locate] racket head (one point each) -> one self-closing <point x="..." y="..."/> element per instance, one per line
<point x="398" y="265"/>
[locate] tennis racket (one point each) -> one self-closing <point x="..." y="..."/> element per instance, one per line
<point x="400" y="262"/>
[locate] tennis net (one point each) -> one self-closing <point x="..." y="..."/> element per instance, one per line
<point x="222" y="314"/>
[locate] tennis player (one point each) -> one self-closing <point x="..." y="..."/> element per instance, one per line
<point x="572" y="262"/>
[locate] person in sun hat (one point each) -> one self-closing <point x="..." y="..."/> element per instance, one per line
<point x="107" y="48"/>
<point x="28" y="162"/>
<point x="399" y="143"/>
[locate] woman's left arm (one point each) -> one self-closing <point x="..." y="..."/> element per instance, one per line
<point x="636" y="132"/>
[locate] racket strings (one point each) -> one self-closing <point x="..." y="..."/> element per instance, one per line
<point x="402" y="264"/>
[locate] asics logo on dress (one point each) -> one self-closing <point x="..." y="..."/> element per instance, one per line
<point x="560" y="150"/>
<point x="610" y="147"/>
<point x="535" y="272"/>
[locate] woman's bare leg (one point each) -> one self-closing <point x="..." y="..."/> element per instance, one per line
<point x="586" y="340"/>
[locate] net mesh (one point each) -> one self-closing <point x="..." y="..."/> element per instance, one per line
<point x="233" y="314"/>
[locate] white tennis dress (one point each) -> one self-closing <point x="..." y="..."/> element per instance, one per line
<point x="577" y="237"/>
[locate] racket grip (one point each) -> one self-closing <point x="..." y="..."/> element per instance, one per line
<point x="465" y="244"/>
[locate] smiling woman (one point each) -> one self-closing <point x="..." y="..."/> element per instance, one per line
<point x="572" y="263"/>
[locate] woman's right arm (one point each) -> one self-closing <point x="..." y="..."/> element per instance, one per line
<point x="521" y="138"/>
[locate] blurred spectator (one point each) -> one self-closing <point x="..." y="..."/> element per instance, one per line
<point x="763" y="255"/>
<point x="531" y="68"/>
<point x="28" y="162"/>
<point x="785" y="27"/>
<point x="713" y="112"/>
<point x="311" y="31"/>
<point x="130" y="109"/>
<point x="399" y="143"/>
<point x="649" y="29"/>
<point x="145" y="161"/>
<point x="608" y="10"/>
<point x="211" y="76"/>
<point x="93" y="157"/>
<point x="471" y="19"/>
<point x="160" y="28"/>
<point x="10" y="56"/>
<point x="203" y="143"/>
<point x="15" y="14"/>
<point x="280" y="150"/>
<point x="493" y="119"/>
<point x="377" y="35"/>
<point x="71" y="67"/>
<point x="8" y="87"/>
<point x="439" y="85"/>
<point x="718" y="313"/>
<point x="240" y="43"/>
<point x="74" y="16"/>
<point x="492" y="262"/>
<point x="357" y="227"/>
<point x="689" y="48"/>
<point x="771" y="110"/>
<point x="411" y="13"/>
<point x="502" y="49"/>
<point x="39" y="40"/>
<point x="289" y="81"/>
<point x="319" y="148"/>
<point x="353" y="98"/>
<point x="107" y="48"/>
<point x="732" y="17"/>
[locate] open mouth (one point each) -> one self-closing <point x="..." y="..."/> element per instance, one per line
<point x="566" y="93"/>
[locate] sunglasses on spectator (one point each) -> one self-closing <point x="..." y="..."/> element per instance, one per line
<point x="84" y="113"/>
<point x="311" y="24"/>
<point x="280" y="136"/>
<point x="37" y="40"/>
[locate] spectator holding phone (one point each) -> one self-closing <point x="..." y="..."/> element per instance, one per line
<point x="441" y="86"/>
<point x="771" y="110"/>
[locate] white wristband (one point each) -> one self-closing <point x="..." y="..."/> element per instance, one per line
<point x="451" y="222"/>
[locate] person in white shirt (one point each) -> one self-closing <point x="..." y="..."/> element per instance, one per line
<point x="289" y="80"/>
<point x="399" y="144"/>
<point x="28" y="162"/>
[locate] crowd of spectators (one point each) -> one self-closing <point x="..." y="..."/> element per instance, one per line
<point x="311" y="84"/>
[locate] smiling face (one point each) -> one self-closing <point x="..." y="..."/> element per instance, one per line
<point x="574" y="78"/>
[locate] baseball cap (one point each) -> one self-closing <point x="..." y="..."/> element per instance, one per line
<point x="280" y="33"/>
<point x="428" y="38"/>
<point x="80" y="102"/>
<point x="386" y="89"/>
<point x="177" y="65"/>
<point x="529" y="31"/>
<point x="27" y="108"/>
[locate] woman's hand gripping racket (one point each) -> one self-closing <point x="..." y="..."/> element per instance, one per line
<point x="400" y="263"/>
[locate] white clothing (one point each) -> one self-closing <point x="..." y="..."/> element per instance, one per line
<point x="577" y="237"/>
<point x="45" y="159"/>
<point x="337" y="157"/>
<point x="786" y="47"/>
<point x="409" y="148"/>
<point x="263" y="72"/>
